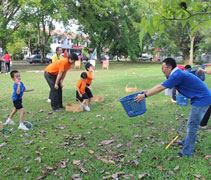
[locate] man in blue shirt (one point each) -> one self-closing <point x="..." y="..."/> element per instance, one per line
<point x="190" y="86"/>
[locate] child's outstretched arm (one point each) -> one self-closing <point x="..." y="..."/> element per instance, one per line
<point x="29" y="90"/>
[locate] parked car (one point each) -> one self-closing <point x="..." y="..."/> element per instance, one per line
<point x="50" y="55"/>
<point x="144" y="58"/>
<point x="36" y="58"/>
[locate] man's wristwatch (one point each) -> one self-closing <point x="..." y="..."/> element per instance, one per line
<point x="145" y="95"/>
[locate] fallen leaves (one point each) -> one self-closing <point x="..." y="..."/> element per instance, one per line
<point x="106" y="142"/>
<point x="3" y="144"/>
<point x="38" y="159"/>
<point x="106" y="161"/>
<point x="91" y="152"/>
<point x="162" y="168"/>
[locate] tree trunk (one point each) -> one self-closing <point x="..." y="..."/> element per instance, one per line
<point x="99" y="50"/>
<point x="38" y="30"/>
<point x="43" y="42"/>
<point x="192" y="38"/>
<point x="186" y="57"/>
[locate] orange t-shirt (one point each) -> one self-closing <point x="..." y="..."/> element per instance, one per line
<point x="89" y="78"/>
<point x="62" y="65"/>
<point x="81" y="85"/>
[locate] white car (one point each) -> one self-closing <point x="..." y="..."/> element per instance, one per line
<point x="50" y="55"/>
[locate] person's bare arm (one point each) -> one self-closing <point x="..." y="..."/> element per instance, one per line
<point x="56" y="86"/>
<point x="203" y="70"/>
<point x="29" y="90"/>
<point x="79" y="92"/>
<point x="62" y="78"/>
<point x="155" y="90"/>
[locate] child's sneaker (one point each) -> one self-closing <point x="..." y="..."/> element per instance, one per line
<point x="87" y="108"/>
<point x="9" y="122"/>
<point x="23" y="127"/>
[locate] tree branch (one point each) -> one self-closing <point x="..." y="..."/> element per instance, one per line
<point x="190" y="15"/>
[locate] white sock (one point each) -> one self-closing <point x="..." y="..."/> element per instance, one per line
<point x="9" y="119"/>
<point x="21" y="123"/>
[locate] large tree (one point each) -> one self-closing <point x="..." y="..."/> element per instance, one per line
<point x="194" y="13"/>
<point x="10" y="19"/>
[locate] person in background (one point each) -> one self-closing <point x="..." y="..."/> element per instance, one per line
<point x="174" y="91"/>
<point x="56" y="57"/>
<point x="55" y="74"/>
<point x="206" y="117"/>
<point x="1" y="61"/>
<point x="7" y="60"/>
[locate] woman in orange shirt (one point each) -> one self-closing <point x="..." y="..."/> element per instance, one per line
<point x="81" y="93"/>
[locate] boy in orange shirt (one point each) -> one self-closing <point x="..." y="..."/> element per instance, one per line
<point x="81" y="93"/>
<point x="90" y="77"/>
<point x="54" y="75"/>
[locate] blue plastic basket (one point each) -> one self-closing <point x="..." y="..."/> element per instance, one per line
<point x="28" y="124"/>
<point x="181" y="100"/>
<point x="131" y="107"/>
<point x="200" y="75"/>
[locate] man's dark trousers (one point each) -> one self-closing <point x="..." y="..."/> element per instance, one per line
<point x="55" y="94"/>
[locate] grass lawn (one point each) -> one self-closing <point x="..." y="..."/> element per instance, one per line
<point x="104" y="143"/>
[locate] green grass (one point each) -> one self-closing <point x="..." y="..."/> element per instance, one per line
<point x="61" y="138"/>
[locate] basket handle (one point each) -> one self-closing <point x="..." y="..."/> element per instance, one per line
<point x="131" y="83"/>
<point x="79" y="101"/>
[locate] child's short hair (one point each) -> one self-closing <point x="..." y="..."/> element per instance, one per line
<point x="84" y="75"/>
<point x="87" y="66"/>
<point x="12" y="73"/>
<point x="187" y="66"/>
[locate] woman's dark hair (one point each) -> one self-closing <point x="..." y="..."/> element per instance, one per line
<point x="83" y="75"/>
<point x="12" y="73"/>
<point x="57" y="48"/>
<point x="170" y="62"/>
<point x="87" y="66"/>
<point x="73" y="57"/>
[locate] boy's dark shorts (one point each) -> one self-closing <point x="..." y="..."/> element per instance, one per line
<point x="88" y="92"/>
<point x="84" y="96"/>
<point x="18" y="104"/>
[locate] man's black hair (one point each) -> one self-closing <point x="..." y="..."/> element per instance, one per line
<point x="170" y="62"/>
<point x="57" y="48"/>
<point x="12" y="73"/>
<point x="73" y="57"/>
<point x="87" y="66"/>
<point x="83" y="75"/>
<point x="187" y="66"/>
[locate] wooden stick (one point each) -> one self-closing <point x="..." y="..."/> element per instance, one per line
<point x="172" y="142"/>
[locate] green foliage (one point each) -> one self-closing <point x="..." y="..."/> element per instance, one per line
<point x="15" y="48"/>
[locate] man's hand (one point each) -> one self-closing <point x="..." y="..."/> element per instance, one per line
<point x="61" y="85"/>
<point x="89" y="87"/>
<point x="56" y="86"/>
<point x="80" y="95"/>
<point x="139" y="97"/>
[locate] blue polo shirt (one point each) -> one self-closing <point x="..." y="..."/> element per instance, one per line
<point x="190" y="86"/>
<point x="16" y="96"/>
